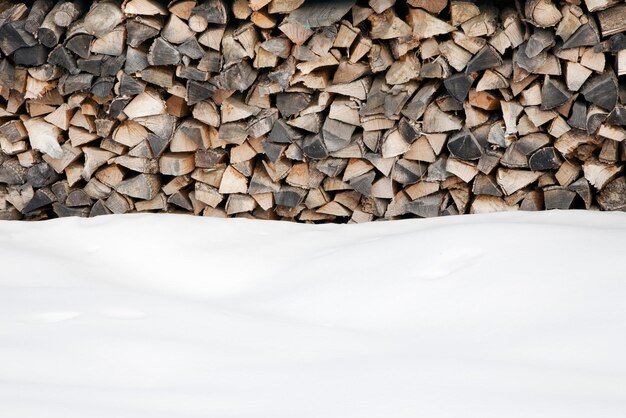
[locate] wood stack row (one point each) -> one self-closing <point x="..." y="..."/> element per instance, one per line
<point x="313" y="111"/>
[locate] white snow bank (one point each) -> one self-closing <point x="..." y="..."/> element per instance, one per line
<point x="504" y="315"/>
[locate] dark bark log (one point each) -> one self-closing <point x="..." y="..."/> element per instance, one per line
<point x="459" y="86"/>
<point x="129" y="86"/>
<point x="79" y="45"/>
<point x="602" y="90"/>
<point x="465" y="146"/>
<point x="163" y="53"/>
<point x="558" y="198"/>
<point x="63" y="58"/>
<point x="486" y="58"/>
<point x="199" y="91"/>
<point x="41" y="175"/>
<point x="49" y="33"/>
<point x="314" y="147"/>
<point x="42" y="198"/>
<point x="283" y="134"/>
<point x="553" y="94"/>
<point x="13" y="37"/>
<point x="37" y="14"/>
<point x="33" y="56"/>
<point x="545" y="159"/>
<point x="69" y="84"/>
<point x="586" y="35"/>
<point x="238" y="77"/>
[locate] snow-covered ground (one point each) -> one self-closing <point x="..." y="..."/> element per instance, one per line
<point x="164" y="316"/>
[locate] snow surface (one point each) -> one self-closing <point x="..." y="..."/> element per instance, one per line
<point x="503" y="315"/>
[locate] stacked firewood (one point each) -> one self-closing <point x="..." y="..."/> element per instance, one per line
<point x="341" y="111"/>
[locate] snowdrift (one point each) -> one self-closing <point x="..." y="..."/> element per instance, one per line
<point x="504" y="315"/>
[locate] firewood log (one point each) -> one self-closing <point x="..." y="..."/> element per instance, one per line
<point x="612" y="20"/>
<point x="68" y="12"/>
<point x="102" y="17"/>
<point x="542" y="13"/>
<point x="49" y="32"/>
<point x="144" y="7"/>
<point x="142" y="186"/>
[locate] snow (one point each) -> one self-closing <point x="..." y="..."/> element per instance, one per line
<point x="503" y="315"/>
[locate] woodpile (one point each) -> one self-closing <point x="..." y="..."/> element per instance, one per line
<point x="314" y="111"/>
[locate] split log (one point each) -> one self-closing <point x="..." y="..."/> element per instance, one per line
<point x="612" y="20"/>
<point x="464" y="146"/>
<point x="613" y="195"/>
<point x="102" y="17"/>
<point x="602" y="91"/>
<point x="177" y="164"/>
<point x="44" y="137"/>
<point x="599" y="174"/>
<point x="542" y="13"/>
<point x="211" y="11"/>
<point x="556" y="197"/>
<point x="142" y="186"/>
<point x="513" y="180"/>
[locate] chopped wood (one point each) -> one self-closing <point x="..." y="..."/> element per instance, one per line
<point x="462" y="11"/>
<point x="102" y="17"/>
<point x="147" y="103"/>
<point x="425" y="25"/>
<point x="612" y="20"/>
<point x="68" y="12"/>
<point x="44" y="137"/>
<point x="602" y="90"/>
<point x="464" y="146"/>
<point x="545" y="159"/>
<point x="49" y="32"/>
<point x="486" y="58"/>
<point x="321" y="111"/>
<point x="556" y="197"/>
<point x="435" y="121"/>
<point x="459" y="85"/>
<point x="553" y="94"/>
<point x="576" y="75"/>
<point x="321" y="13"/>
<point x="513" y="180"/>
<point x="542" y="13"/>
<point x="585" y="35"/>
<point x="177" y="164"/>
<point x="599" y="174"/>
<point x="613" y="195"/>
<point x="38" y="12"/>
<point x="142" y="186"/>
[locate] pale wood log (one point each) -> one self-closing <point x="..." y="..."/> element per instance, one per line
<point x="148" y="103"/>
<point x="461" y="169"/>
<point x="102" y="17"/>
<point x="542" y="13"/>
<point x="513" y="180"/>
<point x="144" y="7"/>
<point x="44" y="136"/>
<point x="599" y="174"/>
<point x="425" y="25"/>
<point x="94" y="159"/>
<point x="177" y="164"/>
<point x="233" y="182"/>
